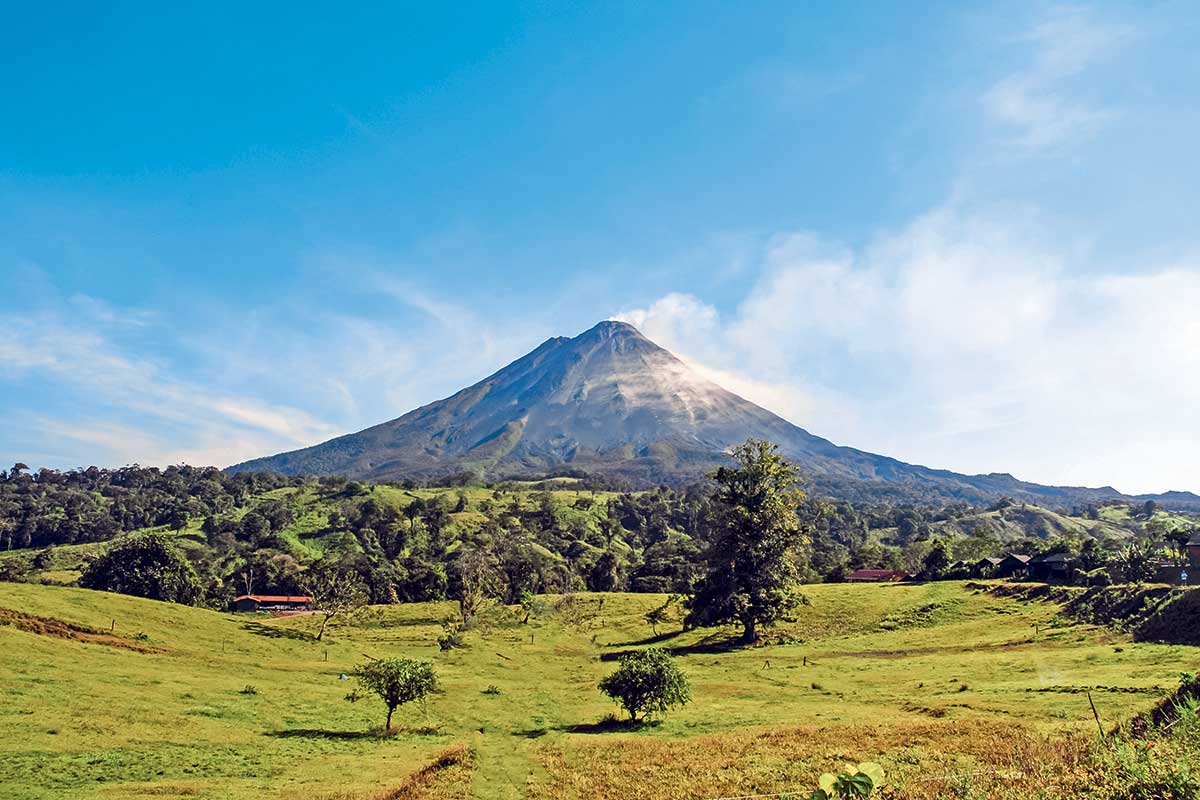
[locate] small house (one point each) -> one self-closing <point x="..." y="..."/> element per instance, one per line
<point x="1193" y="549"/>
<point x="1050" y="567"/>
<point x="1012" y="564"/>
<point x="985" y="567"/>
<point x="877" y="576"/>
<point x="271" y="602"/>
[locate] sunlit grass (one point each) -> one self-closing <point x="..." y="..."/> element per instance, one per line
<point x="911" y="675"/>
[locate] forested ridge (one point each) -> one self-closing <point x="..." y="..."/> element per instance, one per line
<point x="251" y="532"/>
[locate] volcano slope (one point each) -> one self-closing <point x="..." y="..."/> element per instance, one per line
<point x="612" y="404"/>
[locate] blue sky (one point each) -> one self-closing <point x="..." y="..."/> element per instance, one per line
<point x="960" y="234"/>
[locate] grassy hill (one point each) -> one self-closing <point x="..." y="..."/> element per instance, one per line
<point x="1028" y="521"/>
<point x="116" y="697"/>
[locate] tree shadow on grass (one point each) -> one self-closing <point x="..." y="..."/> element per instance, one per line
<point x="655" y="639"/>
<point x="275" y="632"/>
<point x="531" y="733"/>
<point x="373" y="733"/>
<point x="610" y="725"/>
<point x="716" y="643"/>
<point x="317" y="733"/>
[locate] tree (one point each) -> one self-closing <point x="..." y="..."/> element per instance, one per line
<point x="751" y="560"/>
<point x="606" y="575"/>
<point x="658" y="615"/>
<point x="936" y="562"/>
<point x="334" y="591"/>
<point x="397" y="681"/>
<point x="144" y="565"/>
<point x="177" y="518"/>
<point x="531" y="604"/>
<point x="478" y="572"/>
<point x="1137" y="562"/>
<point x="1092" y="556"/>
<point x="1178" y="539"/>
<point x="647" y="682"/>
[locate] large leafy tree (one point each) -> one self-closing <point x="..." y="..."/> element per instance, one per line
<point x="755" y="543"/>
<point x="145" y="565"/>
<point x="936" y="562"/>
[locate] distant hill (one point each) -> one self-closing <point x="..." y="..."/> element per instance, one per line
<point x="612" y="403"/>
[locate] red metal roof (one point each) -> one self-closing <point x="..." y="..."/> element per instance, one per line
<point x="275" y="598"/>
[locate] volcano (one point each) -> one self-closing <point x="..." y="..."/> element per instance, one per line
<point x="612" y="404"/>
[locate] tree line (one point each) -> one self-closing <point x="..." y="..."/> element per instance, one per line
<point x="512" y="544"/>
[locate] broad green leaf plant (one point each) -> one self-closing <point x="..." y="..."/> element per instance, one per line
<point x="852" y="782"/>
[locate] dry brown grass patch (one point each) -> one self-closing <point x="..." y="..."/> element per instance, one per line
<point x="49" y="626"/>
<point x="922" y="761"/>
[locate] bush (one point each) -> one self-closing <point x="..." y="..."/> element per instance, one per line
<point x="144" y="565"/>
<point x="451" y="635"/>
<point x="647" y="682"/>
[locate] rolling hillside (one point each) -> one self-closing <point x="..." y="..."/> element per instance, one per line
<point x="119" y="698"/>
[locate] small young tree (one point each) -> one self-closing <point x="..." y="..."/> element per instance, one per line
<point x="658" y="615"/>
<point x="647" y="682"/>
<point x="397" y="681"/>
<point x="335" y="591"/>
<point x="531" y="605"/>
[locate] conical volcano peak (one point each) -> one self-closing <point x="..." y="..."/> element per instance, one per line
<point x="616" y="336"/>
<point x="610" y="402"/>
<point x="615" y="327"/>
<point x="612" y="329"/>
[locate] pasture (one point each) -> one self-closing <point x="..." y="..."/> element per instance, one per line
<point x="115" y="697"/>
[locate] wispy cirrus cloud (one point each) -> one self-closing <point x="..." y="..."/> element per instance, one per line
<point x="1036" y="105"/>
<point x="349" y="344"/>
<point x="71" y="347"/>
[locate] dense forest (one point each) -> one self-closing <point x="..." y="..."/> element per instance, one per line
<point x="263" y="533"/>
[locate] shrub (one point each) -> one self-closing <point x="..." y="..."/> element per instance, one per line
<point x="647" y="682"/>
<point x="451" y="635"/>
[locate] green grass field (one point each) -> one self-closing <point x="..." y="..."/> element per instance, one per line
<point x="931" y="680"/>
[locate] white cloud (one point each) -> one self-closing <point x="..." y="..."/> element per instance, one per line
<point x="965" y="343"/>
<point x="1034" y="104"/>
